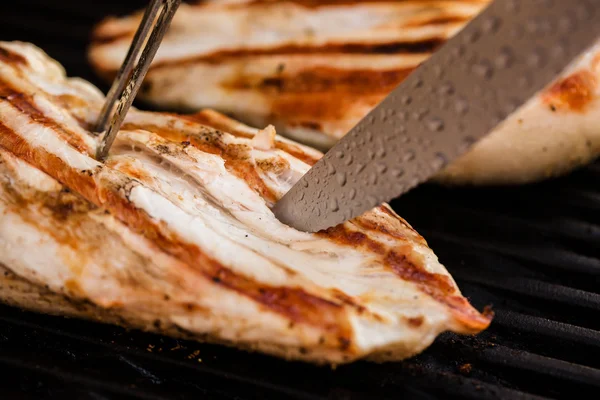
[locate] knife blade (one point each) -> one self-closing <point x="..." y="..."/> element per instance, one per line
<point x="502" y="58"/>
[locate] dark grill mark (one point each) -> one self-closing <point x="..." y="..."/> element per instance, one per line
<point x="9" y="57"/>
<point x="396" y="47"/>
<point x="24" y="103"/>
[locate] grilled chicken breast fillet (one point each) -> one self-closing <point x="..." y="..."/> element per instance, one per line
<point x="174" y="233"/>
<point x="314" y="69"/>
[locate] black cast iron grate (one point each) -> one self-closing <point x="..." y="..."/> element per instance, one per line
<point x="532" y="252"/>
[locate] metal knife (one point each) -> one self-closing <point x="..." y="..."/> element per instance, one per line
<point x="483" y="74"/>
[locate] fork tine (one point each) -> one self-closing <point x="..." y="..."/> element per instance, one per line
<point x="128" y="64"/>
<point x="127" y="93"/>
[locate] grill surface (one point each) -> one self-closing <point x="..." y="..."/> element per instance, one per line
<point x="532" y="252"/>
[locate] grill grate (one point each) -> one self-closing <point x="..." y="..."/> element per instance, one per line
<point x="533" y="252"/>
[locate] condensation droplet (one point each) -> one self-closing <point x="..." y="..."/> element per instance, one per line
<point x="491" y="24"/>
<point x="341" y="178"/>
<point x="349" y="159"/>
<point x="402" y="115"/>
<point x="319" y="194"/>
<point x="339" y="154"/>
<point x="409" y="155"/>
<point x="373" y="178"/>
<point x="418" y="83"/>
<point x="301" y="196"/>
<point x="505" y="58"/>
<point x="330" y="169"/>
<point x="565" y="24"/>
<point x="461" y="106"/>
<point x="458" y="51"/>
<point x="483" y="69"/>
<point x="305" y="183"/>
<point x="473" y="36"/>
<point x="317" y="180"/>
<point x="381" y="168"/>
<point x="371" y="119"/>
<point x="380" y="151"/>
<point x="370" y="154"/>
<point x="467" y="142"/>
<point x="369" y="136"/>
<point x="400" y="130"/>
<point x="383" y="115"/>
<point x="440" y="161"/>
<point x="537" y="58"/>
<point x="333" y="205"/>
<point x="391" y="112"/>
<point x="352" y="194"/>
<point x="418" y="115"/>
<point x="406" y="100"/>
<point x="524" y="81"/>
<point x="435" y="124"/>
<point x="446" y="89"/>
<point x="397" y="172"/>
<point x="359" y="168"/>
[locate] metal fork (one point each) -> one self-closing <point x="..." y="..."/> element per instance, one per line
<point x="130" y="76"/>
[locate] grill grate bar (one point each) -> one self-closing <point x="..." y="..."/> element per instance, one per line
<point x="559" y="226"/>
<point x="78" y="378"/>
<point x="139" y="353"/>
<point x="531" y="288"/>
<point x="546" y="327"/>
<point x="546" y="366"/>
<point x="554" y="257"/>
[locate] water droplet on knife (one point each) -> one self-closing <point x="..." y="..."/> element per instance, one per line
<point x="333" y="205"/>
<point x="504" y="59"/>
<point x="440" y="161"/>
<point x="397" y="172"/>
<point x="330" y="169"/>
<point x="349" y="159"/>
<point x="373" y="178"/>
<point x="352" y="194"/>
<point x="381" y="168"/>
<point x="435" y="124"/>
<point x="446" y="89"/>
<point x="483" y="69"/>
<point x="461" y="106"/>
<point x="491" y="25"/>
<point x="409" y="155"/>
<point x="341" y="179"/>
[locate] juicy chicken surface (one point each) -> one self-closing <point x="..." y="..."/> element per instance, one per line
<point x="314" y="69"/>
<point x="176" y="227"/>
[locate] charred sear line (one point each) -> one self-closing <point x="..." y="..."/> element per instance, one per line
<point x="10" y="57"/>
<point x="324" y="80"/>
<point x="396" y="47"/>
<point x="438" y="20"/>
<point x="25" y="104"/>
